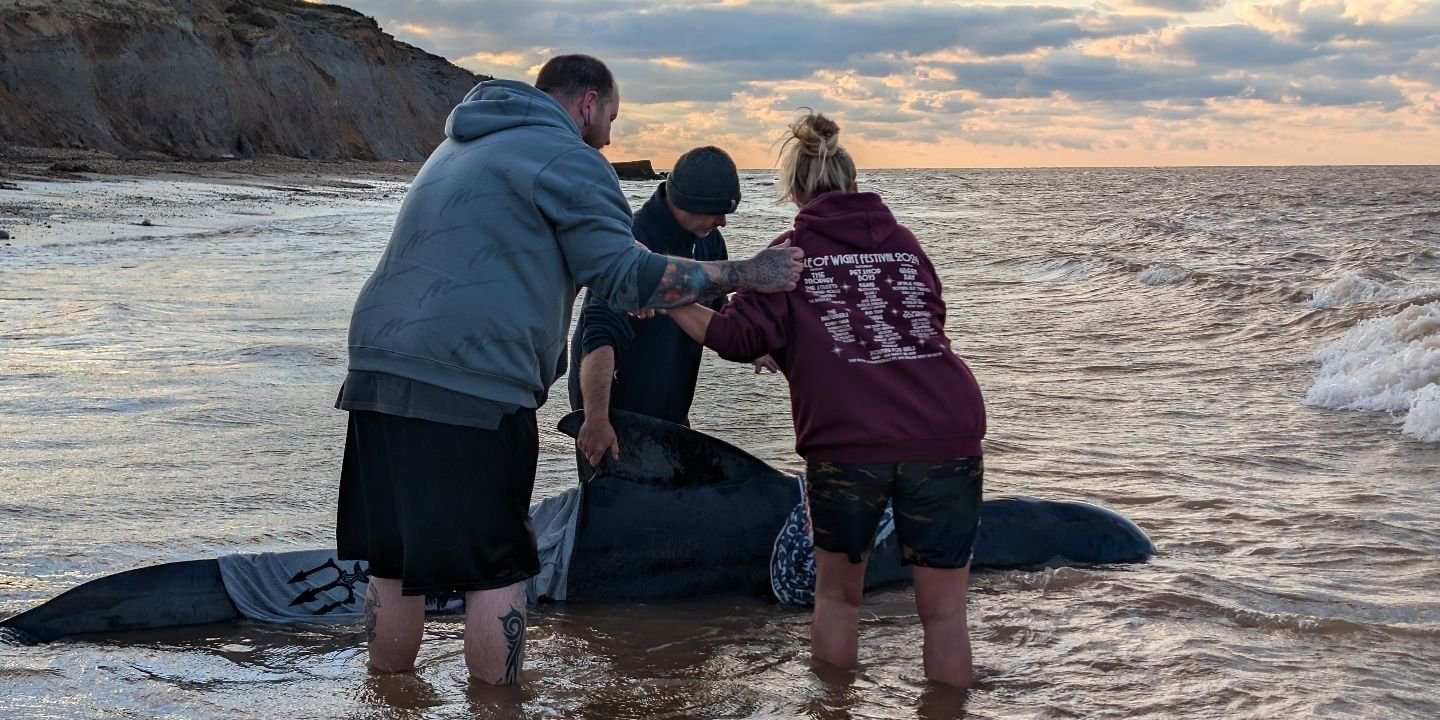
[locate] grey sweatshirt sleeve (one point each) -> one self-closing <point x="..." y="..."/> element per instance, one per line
<point x="580" y="195"/>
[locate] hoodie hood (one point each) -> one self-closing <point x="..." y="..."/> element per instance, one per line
<point x="496" y="105"/>
<point x="860" y="220"/>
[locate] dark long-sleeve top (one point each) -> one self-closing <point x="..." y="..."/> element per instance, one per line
<point x="656" y="363"/>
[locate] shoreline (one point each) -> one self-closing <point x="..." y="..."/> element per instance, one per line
<point x="27" y="163"/>
<point x="52" y="197"/>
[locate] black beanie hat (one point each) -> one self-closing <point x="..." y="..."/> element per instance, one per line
<point x="704" y="182"/>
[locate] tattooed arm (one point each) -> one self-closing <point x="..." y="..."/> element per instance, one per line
<point x="775" y="269"/>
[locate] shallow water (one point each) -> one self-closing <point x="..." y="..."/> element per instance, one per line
<point x="1243" y="361"/>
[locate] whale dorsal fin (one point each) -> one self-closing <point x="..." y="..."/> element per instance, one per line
<point x="655" y="451"/>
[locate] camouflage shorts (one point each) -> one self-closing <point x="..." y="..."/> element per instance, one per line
<point x="937" y="508"/>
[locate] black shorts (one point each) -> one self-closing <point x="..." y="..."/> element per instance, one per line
<point x="439" y="507"/>
<point x="937" y="508"/>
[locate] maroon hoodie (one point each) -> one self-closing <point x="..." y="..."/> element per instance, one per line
<point x="862" y="342"/>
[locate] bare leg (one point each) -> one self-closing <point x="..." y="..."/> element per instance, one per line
<point x="394" y="624"/>
<point x="940" y="597"/>
<point x="835" y="629"/>
<point x="495" y="634"/>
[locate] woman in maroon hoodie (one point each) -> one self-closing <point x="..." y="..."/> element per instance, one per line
<point x="883" y="408"/>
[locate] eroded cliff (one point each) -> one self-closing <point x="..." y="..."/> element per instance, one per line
<point x="218" y="78"/>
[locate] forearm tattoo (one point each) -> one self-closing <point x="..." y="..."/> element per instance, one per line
<point x="372" y="602"/>
<point x="684" y="282"/>
<point x="512" y="624"/>
<point x="687" y="281"/>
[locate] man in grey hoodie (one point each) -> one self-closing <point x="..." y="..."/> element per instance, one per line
<point x="458" y="335"/>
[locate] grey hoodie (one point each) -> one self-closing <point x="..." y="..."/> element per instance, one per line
<point x="509" y="217"/>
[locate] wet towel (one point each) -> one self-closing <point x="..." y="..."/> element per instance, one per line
<point x="554" y="520"/>
<point x="315" y="586"/>
<point x="792" y="563"/>
<point x="307" y="585"/>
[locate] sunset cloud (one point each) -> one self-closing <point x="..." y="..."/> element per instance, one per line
<point x="1011" y="83"/>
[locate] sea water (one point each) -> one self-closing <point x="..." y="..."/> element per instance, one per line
<point x="1242" y="360"/>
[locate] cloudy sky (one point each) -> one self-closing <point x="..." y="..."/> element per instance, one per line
<point x="916" y="83"/>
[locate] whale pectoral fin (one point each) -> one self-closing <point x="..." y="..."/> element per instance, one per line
<point x="1025" y="532"/>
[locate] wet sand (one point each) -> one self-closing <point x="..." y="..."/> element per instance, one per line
<point x="66" y="196"/>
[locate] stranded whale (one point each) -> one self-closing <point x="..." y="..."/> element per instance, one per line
<point x="679" y="515"/>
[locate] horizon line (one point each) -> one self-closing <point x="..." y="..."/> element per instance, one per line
<point x="1106" y="167"/>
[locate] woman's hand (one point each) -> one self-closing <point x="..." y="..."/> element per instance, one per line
<point x="765" y="363"/>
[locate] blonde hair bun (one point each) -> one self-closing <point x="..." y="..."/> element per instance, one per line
<point x="818" y="135"/>
<point x="812" y="161"/>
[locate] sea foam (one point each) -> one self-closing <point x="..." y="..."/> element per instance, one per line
<point x="1389" y="364"/>
<point x="1352" y="289"/>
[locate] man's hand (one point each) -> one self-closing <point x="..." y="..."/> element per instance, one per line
<point x="774" y="269"/>
<point x="596" y="438"/>
<point x="765" y="363"/>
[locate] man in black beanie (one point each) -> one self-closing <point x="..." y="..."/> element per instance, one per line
<point x="650" y="366"/>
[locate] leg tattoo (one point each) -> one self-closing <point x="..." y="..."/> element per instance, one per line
<point x="372" y="602"/>
<point x="512" y="624"/>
